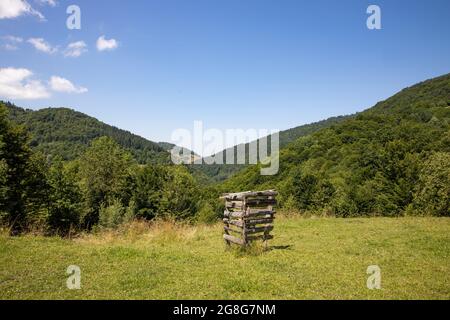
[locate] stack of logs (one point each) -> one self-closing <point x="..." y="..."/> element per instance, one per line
<point x="249" y="216"/>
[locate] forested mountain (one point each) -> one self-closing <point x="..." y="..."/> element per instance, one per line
<point x="220" y="172"/>
<point x="393" y="158"/>
<point x="68" y="133"/>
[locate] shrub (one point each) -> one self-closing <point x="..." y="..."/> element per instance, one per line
<point x="433" y="192"/>
<point x="114" y="215"/>
<point x="104" y="172"/>
<point x="180" y="194"/>
<point x="206" y="213"/>
<point x="148" y="190"/>
<point x="65" y="200"/>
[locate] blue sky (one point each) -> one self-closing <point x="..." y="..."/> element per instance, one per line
<point x="271" y="64"/>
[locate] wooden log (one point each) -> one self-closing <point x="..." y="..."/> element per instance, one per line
<point x="247" y="194"/>
<point x="264" y="229"/>
<point x="228" y="243"/>
<point x="238" y="223"/>
<point x="254" y="212"/>
<point x="234" y="196"/>
<point x="233" y="239"/>
<point x="270" y="226"/>
<point x="260" y="197"/>
<point x="266" y="233"/>
<point x="234" y="204"/>
<point x="234" y="214"/>
<point x="259" y="210"/>
<point x="261" y="193"/>
<point x="259" y="216"/>
<point x="228" y="229"/>
<point x="259" y="221"/>
<point x="261" y="237"/>
<point x="261" y="202"/>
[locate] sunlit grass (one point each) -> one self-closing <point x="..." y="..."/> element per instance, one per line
<point x="309" y="259"/>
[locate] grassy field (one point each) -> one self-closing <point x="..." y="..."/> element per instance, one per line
<point x="309" y="259"/>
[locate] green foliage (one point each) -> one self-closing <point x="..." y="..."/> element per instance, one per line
<point x="3" y="180"/>
<point x="164" y="192"/>
<point x="37" y="191"/>
<point x="104" y="171"/>
<point x="180" y="194"/>
<point x="220" y="172"/>
<point x="206" y="213"/>
<point x="147" y="192"/>
<point x="68" y="133"/>
<point x="303" y="189"/>
<point x="113" y="215"/>
<point x="65" y="199"/>
<point x="370" y="164"/>
<point x="15" y="161"/>
<point x="433" y="192"/>
<point x="102" y="186"/>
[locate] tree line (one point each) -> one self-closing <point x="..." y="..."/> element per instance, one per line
<point x="103" y="187"/>
<point x="68" y="133"/>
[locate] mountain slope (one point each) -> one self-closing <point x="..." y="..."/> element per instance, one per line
<point x="67" y="133"/>
<point x="388" y="159"/>
<point x="221" y="172"/>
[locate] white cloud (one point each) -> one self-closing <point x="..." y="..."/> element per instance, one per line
<point x="41" y="45"/>
<point x="11" y="42"/>
<point x="75" y="49"/>
<point x="13" y="39"/>
<point x="9" y="47"/>
<point x="51" y="3"/>
<point x="63" y="85"/>
<point x="10" y="9"/>
<point x="17" y="84"/>
<point x="104" y="44"/>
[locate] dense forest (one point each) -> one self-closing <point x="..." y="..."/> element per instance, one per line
<point x="67" y="133"/>
<point x="62" y="171"/>
<point x="103" y="187"/>
<point x="220" y="172"/>
<point x="389" y="160"/>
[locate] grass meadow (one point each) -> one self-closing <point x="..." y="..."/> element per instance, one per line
<point x="322" y="258"/>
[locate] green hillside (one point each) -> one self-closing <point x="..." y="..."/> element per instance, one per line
<point x="391" y="159"/>
<point x="67" y="133"/>
<point x="221" y="172"/>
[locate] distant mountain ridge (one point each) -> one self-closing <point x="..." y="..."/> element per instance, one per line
<point x="432" y="91"/>
<point x="221" y="172"/>
<point x="67" y="133"/>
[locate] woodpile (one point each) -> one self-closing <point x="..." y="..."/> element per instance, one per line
<point x="249" y="216"/>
